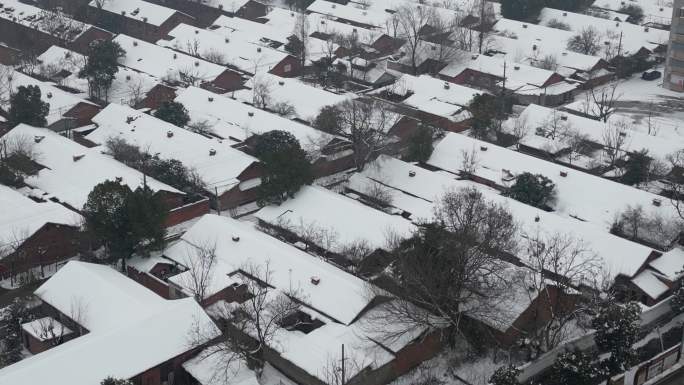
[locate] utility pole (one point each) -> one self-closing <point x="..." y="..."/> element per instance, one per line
<point x="343" y="373"/>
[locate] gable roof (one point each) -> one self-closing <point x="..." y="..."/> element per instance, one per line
<point x="578" y="194"/>
<point x="42" y="20"/>
<point x="143" y="329"/>
<point x="339" y="294"/>
<point x="21" y="217"/>
<point x="218" y="171"/>
<point x="71" y="180"/>
<point x="231" y="119"/>
<point x="164" y="63"/>
<point x="243" y="55"/>
<point x="349" y="220"/>
<point x="137" y="10"/>
<point x="516" y="74"/>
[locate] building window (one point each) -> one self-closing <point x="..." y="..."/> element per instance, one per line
<point x="287" y="68"/>
<point x="681" y="12"/>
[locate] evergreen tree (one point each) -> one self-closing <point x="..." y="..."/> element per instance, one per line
<point x="617" y="329"/>
<point x="328" y="119"/>
<point x="420" y="145"/>
<point x="123" y="219"/>
<point x="575" y="368"/>
<point x="174" y="113"/>
<point x="27" y="107"/>
<point x="677" y="302"/>
<point x="286" y="166"/>
<point x="637" y="168"/>
<point x="102" y="64"/>
<point x="535" y="190"/>
<point x="11" y="319"/>
<point x="505" y="375"/>
<point x="483" y="108"/>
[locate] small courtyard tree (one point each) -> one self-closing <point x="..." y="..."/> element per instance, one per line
<point x="420" y="144"/>
<point x="532" y="189"/>
<point x="174" y="113"/>
<point x="505" y="375"/>
<point x="617" y="329"/>
<point x="575" y="368"/>
<point x="587" y="41"/>
<point x="11" y="319"/>
<point x="286" y="166"/>
<point x="27" y="107"/>
<point x="102" y="64"/>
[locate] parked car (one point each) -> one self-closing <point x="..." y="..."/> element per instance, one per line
<point x="651" y="75"/>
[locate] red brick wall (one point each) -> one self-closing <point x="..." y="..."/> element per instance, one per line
<point x="81" y="44"/>
<point x="229" y="294"/>
<point x="185" y="213"/>
<point x="83" y="113"/>
<point x="227" y="81"/>
<point x="8" y="55"/>
<point x="156" y="96"/>
<point x="280" y="69"/>
<point x="50" y="244"/>
<point x="252" y="10"/>
<point x="413" y="354"/>
<point x="36" y="346"/>
<point x="156" y="285"/>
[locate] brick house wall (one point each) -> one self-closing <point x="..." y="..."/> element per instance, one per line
<point x="151" y="282"/>
<point x="236" y="197"/>
<point x="36" y="346"/>
<point x="187" y="212"/>
<point x="154" y="98"/>
<point x="288" y="67"/>
<point x="8" y="55"/>
<point x="227" y="81"/>
<point x="50" y="244"/>
<point x="137" y="28"/>
<point x="82" y="43"/>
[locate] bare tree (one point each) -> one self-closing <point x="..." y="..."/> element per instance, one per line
<point x="214" y="56"/>
<point x="50" y="330"/>
<point x="469" y="162"/>
<point x="604" y="101"/>
<point x="301" y="32"/>
<point x="261" y="92"/>
<point x="366" y="123"/>
<point x="250" y="327"/>
<point x="411" y="21"/>
<point x="577" y="143"/>
<point x="556" y="125"/>
<point x="136" y="91"/>
<point x="549" y="62"/>
<point x="674" y="182"/>
<point x="587" y="41"/>
<point x="6" y="77"/>
<point x="558" y="264"/>
<point x="520" y="128"/>
<point x="614" y="139"/>
<point x="200" y="261"/>
<point x="449" y="268"/>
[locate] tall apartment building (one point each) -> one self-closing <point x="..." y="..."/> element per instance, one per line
<point x="674" y="66"/>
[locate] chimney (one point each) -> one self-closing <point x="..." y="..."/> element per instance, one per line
<point x="250" y="113"/>
<point x="211" y="98"/>
<point x="483" y="148"/>
<point x="236" y="238"/>
<point x="412" y="173"/>
<point x="656" y="202"/>
<point x="536" y="218"/>
<point x="169" y="134"/>
<point x="564" y="174"/>
<point x="135" y="43"/>
<point x="38" y="138"/>
<point x="78" y="157"/>
<point x="516" y="67"/>
<point x="49" y="95"/>
<point x="524" y="25"/>
<point x="212" y="152"/>
<point x="281" y="82"/>
<point x="446" y="85"/>
<point x="315" y="280"/>
<point x="196" y="64"/>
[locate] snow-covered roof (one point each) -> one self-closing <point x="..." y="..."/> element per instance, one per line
<point x="418" y="194"/>
<point x="339" y="295"/>
<point x="349" y="220"/>
<point x="45" y="328"/>
<point x="534" y="42"/>
<point x="208" y="369"/>
<point x="670" y="264"/>
<point x="655" y="11"/>
<point x="143" y="329"/>
<point x="649" y="282"/>
<point x="237" y="121"/>
<point x="268" y="33"/>
<point x="226" y="5"/>
<point x="164" y="63"/>
<point x="433" y="95"/>
<point x="21" y="217"/>
<point x="137" y="10"/>
<point x="516" y="73"/>
<point x="538" y="116"/>
<point x="375" y="73"/>
<point x="128" y="85"/>
<point x="60" y="101"/>
<point x="238" y="52"/>
<point x="306" y="99"/>
<point x="219" y="169"/>
<point x="348" y="12"/>
<point x="634" y="37"/>
<point x="284" y="20"/>
<point x="60" y="26"/>
<point x="72" y="170"/>
<point x="578" y="194"/>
